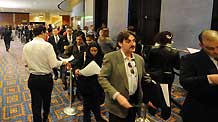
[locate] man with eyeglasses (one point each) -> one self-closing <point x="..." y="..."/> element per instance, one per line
<point x="199" y="76"/>
<point x="120" y="77"/>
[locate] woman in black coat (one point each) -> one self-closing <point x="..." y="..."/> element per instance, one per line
<point x="88" y="86"/>
<point x="162" y="59"/>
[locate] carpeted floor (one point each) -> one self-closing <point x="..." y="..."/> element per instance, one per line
<point x="15" y="97"/>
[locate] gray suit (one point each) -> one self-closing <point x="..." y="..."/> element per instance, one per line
<point x="113" y="79"/>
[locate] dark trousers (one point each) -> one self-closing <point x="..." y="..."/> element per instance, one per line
<point x="40" y="89"/>
<point x="55" y="70"/>
<point x="7" y="44"/>
<point x="90" y="104"/>
<point x="130" y="117"/>
<point x="63" y="76"/>
<point x="131" y="113"/>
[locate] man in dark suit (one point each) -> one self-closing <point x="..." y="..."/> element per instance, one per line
<point x="7" y="37"/>
<point x="199" y="77"/>
<point x="120" y="77"/>
<point x="56" y="42"/>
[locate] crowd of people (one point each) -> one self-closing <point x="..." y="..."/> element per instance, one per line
<point x="129" y="75"/>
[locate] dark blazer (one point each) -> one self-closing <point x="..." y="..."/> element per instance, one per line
<point x="65" y="42"/>
<point x="113" y="78"/>
<point x="164" y="58"/>
<point x="56" y="46"/>
<point x="201" y="103"/>
<point x="7" y="35"/>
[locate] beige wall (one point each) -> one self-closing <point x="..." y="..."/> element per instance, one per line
<point x="47" y="18"/>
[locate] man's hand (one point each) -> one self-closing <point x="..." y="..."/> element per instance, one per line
<point x="123" y="101"/>
<point x="213" y="78"/>
<point x="151" y="105"/>
<point x="77" y="72"/>
<point x="68" y="66"/>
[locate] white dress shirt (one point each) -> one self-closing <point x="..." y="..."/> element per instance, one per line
<point x="40" y="57"/>
<point x="132" y="77"/>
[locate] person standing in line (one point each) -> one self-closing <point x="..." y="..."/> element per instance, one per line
<point x="199" y="77"/>
<point x="7" y="37"/>
<point x="120" y="77"/>
<point x="56" y="41"/>
<point x="39" y="56"/>
<point x="88" y="86"/>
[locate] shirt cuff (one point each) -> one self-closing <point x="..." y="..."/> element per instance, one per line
<point x="210" y="82"/>
<point x="115" y="95"/>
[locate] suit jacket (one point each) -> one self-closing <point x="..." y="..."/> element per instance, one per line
<point x="164" y="58"/>
<point x="202" y="97"/>
<point x="65" y="42"/>
<point x="113" y="79"/>
<point x="56" y="46"/>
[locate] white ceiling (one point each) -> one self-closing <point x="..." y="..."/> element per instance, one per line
<point x="32" y="6"/>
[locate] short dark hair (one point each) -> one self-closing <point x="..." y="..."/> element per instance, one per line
<point x="200" y="36"/>
<point x="163" y="37"/>
<point x="39" y="29"/>
<point x="90" y="36"/>
<point x="123" y="35"/>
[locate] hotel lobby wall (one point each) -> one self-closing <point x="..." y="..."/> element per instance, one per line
<point x="193" y="17"/>
<point x="81" y="16"/>
<point x="8" y="18"/>
<point x="117" y="16"/>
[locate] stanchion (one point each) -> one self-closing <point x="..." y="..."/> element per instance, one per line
<point x="70" y="110"/>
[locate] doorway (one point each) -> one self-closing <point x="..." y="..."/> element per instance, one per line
<point x="144" y="15"/>
<point x="214" y="22"/>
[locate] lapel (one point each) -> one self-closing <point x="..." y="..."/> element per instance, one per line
<point x="139" y="67"/>
<point x="210" y="65"/>
<point x="121" y="68"/>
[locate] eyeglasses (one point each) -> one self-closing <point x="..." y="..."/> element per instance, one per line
<point x="131" y="68"/>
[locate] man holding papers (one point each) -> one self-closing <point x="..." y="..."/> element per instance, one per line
<point x="199" y="76"/>
<point x="87" y="82"/>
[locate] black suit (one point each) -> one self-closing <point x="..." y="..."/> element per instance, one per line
<point x="201" y="103"/>
<point x="57" y="48"/>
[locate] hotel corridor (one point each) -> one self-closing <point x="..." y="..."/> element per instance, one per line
<point x="15" y="100"/>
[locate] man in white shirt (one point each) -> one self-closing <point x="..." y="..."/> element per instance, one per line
<point x="40" y="58"/>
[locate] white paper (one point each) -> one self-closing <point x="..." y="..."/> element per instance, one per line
<point x="192" y="50"/>
<point x="165" y="91"/>
<point x="67" y="59"/>
<point x="91" y="69"/>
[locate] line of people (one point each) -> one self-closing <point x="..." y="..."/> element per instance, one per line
<point x="126" y="79"/>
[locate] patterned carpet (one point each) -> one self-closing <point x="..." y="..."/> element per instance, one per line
<point x="15" y="97"/>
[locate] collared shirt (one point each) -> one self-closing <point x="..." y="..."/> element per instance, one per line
<point x="40" y="57"/>
<point x="216" y="64"/>
<point x="214" y="61"/>
<point x="56" y="38"/>
<point x="69" y="38"/>
<point x="131" y="76"/>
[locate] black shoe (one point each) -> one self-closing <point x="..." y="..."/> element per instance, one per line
<point x="166" y="113"/>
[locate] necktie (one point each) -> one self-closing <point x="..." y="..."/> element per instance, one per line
<point x="56" y="38"/>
